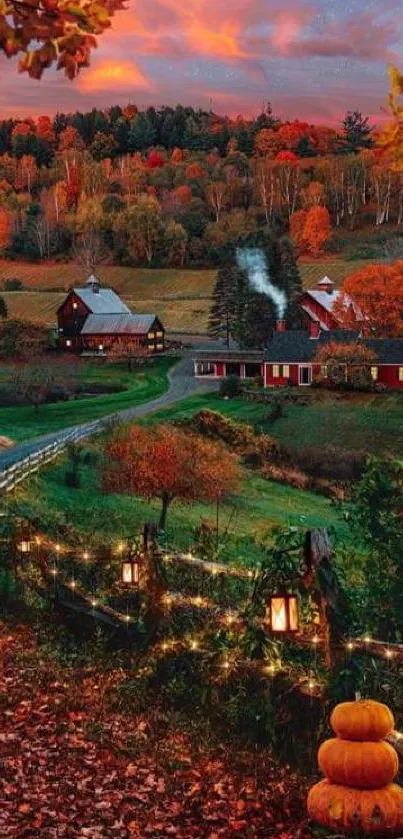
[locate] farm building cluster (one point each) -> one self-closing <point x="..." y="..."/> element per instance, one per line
<point x="92" y="320"/>
<point x="289" y="357"/>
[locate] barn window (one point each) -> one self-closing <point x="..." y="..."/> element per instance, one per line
<point x="323" y="369"/>
<point x="159" y="334"/>
<point x="75" y="305"/>
<point x="400" y="374"/>
<point x="68" y="343"/>
<point x="374" y="374"/>
<point x="276" y="371"/>
<point x="151" y="335"/>
<point x="285" y="371"/>
<point x="160" y="346"/>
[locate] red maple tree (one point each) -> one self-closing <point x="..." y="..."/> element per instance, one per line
<point x="168" y="463"/>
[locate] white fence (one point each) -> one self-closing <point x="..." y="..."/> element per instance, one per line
<point x="22" y="469"/>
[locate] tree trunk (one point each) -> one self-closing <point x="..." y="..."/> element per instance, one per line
<point x="163" y="517"/>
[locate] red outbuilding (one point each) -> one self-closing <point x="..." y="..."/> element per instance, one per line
<point x="94" y="319"/>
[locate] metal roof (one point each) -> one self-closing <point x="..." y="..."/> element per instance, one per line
<point x="325" y="281"/>
<point x="102" y="302"/>
<point x="325" y="299"/>
<point x="118" y="324"/>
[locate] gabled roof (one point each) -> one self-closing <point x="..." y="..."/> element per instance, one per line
<point x="102" y="302"/>
<point x="296" y="346"/>
<point x="324" y="299"/>
<point x="118" y="324"/>
<point x="325" y="281"/>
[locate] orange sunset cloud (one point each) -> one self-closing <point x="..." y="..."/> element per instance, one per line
<point x="113" y="75"/>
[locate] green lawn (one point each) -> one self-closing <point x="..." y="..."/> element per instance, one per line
<point x="361" y="422"/>
<point x="21" y="423"/>
<point x="259" y="506"/>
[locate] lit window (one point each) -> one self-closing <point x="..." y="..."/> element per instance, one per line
<point x="101" y="346"/>
<point x="151" y="335"/>
<point x="276" y="371"/>
<point x="400" y="374"/>
<point x="286" y="371"/>
<point x="151" y="346"/>
<point x="75" y="305"/>
<point x="160" y="346"/>
<point x="323" y="369"/>
<point x="159" y="334"/>
<point x="374" y="374"/>
<point x="68" y="343"/>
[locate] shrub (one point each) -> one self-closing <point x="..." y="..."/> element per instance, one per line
<point x="230" y="386"/>
<point x="13" y="285"/>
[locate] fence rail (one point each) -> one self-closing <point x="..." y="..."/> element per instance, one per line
<point x="29" y="465"/>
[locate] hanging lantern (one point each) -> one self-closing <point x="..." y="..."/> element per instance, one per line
<point x="130" y="568"/>
<point x="24" y="544"/>
<point x="283" y="613"/>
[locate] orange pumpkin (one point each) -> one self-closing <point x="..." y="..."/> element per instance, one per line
<point x="362" y="720"/>
<point x="373" y="812"/>
<point x="365" y="765"/>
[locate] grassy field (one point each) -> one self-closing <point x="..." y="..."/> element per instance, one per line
<point x="361" y="422"/>
<point x="181" y="298"/>
<point x="260" y="506"/>
<point x="21" y="423"/>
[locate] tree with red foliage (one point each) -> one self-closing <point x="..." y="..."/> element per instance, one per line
<point x="194" y="172"/>
<point x="70" y="138"/>
<point x="155" y="160"/>
<point x="53" y="31"/>
<point x="317" y="229"/>
<point x="297" y="227"/>
<point x="374" y="297"/>
<point x="287" y="157"/>
<point x="345" y="363"/>
<point x="168" y="463"/>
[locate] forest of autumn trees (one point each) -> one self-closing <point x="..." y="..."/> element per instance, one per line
<point x="176" y="186"/>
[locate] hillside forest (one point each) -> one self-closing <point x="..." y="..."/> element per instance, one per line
<point x="178" y="187"/>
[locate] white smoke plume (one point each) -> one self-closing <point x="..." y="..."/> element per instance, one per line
<point x="253" y="261"/>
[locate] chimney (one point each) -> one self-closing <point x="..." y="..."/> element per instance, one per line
<point x="314" y="329"/>
<point x="280" y="326"/>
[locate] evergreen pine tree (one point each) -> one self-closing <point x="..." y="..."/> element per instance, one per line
<point x="290" y="282"/>
<point x="224" y="312"/>
<point x="356" y="133"/>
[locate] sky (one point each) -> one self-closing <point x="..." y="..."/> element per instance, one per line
<point x="312" y="60"/>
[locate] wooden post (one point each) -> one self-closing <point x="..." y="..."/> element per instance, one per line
<point x="154" y="583"/>
<point x="326" y="591"/>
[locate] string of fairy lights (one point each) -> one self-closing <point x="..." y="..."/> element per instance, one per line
<point x="231" y="619"/>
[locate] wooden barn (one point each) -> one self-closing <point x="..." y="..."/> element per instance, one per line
<point x="95" y="319"/>
<point x="290" y="355"/>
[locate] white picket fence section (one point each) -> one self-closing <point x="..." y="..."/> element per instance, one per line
<point x="22" y="469"/>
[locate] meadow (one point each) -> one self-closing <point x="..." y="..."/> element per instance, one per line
<point x="26" y="421"/>
<point x="259" y="506"/>
<point x="181" y="298"/>
<point x="346" y="421"/>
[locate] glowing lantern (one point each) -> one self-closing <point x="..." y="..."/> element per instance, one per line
<point x="24" y="544"/>
<point x="284" y="613"/>
<point x="130" y="568"/>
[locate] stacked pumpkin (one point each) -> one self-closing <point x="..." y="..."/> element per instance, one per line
<point x="359" y="767"/>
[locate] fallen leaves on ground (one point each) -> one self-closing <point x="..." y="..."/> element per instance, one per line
<point x="71" y="768"/>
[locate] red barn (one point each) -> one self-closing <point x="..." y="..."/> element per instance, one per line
<point x="318" y="303"/>
<point x="95" y="319"/>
